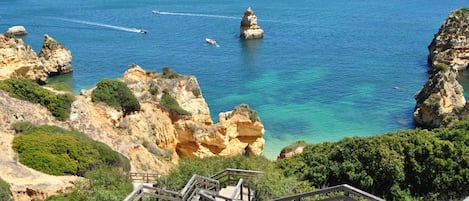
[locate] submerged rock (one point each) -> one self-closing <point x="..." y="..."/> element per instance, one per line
<point x="249" y="28"/>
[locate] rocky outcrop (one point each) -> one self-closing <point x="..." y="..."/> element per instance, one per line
<point x="18" y="59"/>
<point x="17" y="31"/>
<point x="249" y="28"/>
<point x="440" y="101"/>
<point x="450" y="45"/>
<point x="153" y="138"/>
<point x="56" y="59"/>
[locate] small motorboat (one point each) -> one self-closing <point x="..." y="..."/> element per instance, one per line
<point x="143" y="31"/>
<point x="155" y="12"/>
<point x="211" y="41"/>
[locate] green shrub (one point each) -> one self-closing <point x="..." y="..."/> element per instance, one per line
<point x="56" y="151"/>
<point x="408" y="164"/>
<point x="442" y="67"/>
<point x="103" y="183"/>
<point x="4" y="190"/>
<point x="244" y="108"/>
<point x="169" y="73"/>
<point x="115" y="94"/>
<point x="171" y="104"/>
<point x="58" y="104"/>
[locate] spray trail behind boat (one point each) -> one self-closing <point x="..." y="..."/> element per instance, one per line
<point x="121" y="28"/>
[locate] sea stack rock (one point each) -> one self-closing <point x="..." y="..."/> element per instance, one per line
<point x="249" y="28"/>
<point x="440" y="101"/>
<point x="57" y="60"/>
<point x="17" y="31"/>
<point x="450" y="45"/>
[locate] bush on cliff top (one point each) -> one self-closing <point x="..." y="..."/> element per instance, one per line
<point x="244" y="108"/>
<point x="57" y="151"/>
<point x="115" y="94"/>
<point x="58" y="104"/>
<point x="171" y="104"/>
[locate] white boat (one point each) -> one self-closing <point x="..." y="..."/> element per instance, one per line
<point x="155" y="12"/>
<point x="211" y="41"/>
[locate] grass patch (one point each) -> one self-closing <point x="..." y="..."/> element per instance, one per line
<point x="4" y="190"/>
<point x="244" y="108"/>
<point x="103" y="183"/>
<point x="57" y="151"/>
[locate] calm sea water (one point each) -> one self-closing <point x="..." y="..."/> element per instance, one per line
<point x="323" y="71"/>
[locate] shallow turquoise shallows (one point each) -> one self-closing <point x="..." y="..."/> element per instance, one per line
<point x="323" y="71"/>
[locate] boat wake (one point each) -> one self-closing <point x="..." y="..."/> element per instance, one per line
<point x="134" y="30"/>
<point x="196" y="15"/>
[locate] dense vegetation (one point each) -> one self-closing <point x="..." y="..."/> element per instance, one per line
<point x="58" y="104"/>
<point x="272" y="185"/>
<point x="115" y="94"/>
<point x="171" y="104"/>
<point x="57" y="151"/>
<point x="169" y="73"/>
<point x="102" y="183"/>
<point x="4" y="190"/>
<point x="406" y="165"/>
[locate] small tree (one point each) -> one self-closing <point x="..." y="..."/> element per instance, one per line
<point x="115" y="94"/>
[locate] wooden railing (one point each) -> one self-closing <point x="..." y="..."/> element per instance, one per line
<point x="143" y="177"/>
<point x="340" y="192"/>
<point x="196" y="183"/>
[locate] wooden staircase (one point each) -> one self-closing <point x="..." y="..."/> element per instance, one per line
<point x="237" y="185"/>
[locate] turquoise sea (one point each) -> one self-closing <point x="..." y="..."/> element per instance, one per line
<point x="323" y="71"/>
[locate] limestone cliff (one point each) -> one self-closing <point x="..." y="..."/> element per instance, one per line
<point x="153" y="138"/>
<point x="18" y="59"/>
<point x="249" y="28"/>
<point x="442" y="99"/>
<point x="450" y="45"/>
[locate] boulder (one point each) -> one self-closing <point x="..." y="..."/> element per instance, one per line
<point x="17" y="30"/>
<point x="249" y="28"/>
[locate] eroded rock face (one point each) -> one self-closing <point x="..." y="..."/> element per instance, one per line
<point x="249" y="28"/>
<point x="440" y="101"/>
<point x="450" y="45"/>
<point x="56" y="59"/>
<point x="18" y="59"/>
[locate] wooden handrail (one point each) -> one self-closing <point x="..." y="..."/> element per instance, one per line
<point x="346" y="189"/>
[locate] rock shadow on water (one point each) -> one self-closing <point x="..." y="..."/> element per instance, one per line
<point x="250" y="51"/>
